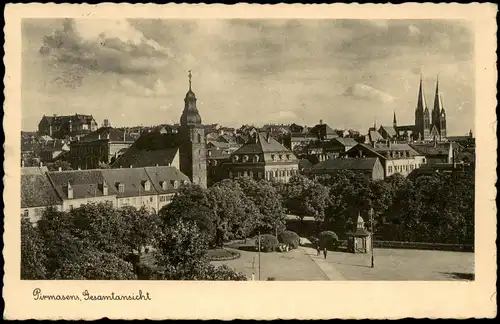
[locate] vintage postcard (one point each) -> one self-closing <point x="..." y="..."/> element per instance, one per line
<point x="250" y="162"/>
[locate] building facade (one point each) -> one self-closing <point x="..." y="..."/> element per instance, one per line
<point x="150" y="187"/>
<point x="262" y="157"/>
<point x="62" y="126"/>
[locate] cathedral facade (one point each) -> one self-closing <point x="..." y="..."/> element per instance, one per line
<point x="428" y="126"/>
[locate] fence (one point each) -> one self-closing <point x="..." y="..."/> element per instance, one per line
<point x="419" y="246"/>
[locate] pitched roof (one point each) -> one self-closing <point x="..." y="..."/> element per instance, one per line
<point x="431" y="149"/>
<point x="55" y="145"/>
<point x="389" y="130"/>
<point x="261" y="143"/>
<point x="85" y="183"/>
<point x="150" y="149"/>
<point x="103" y="132"/>
<point x="37" y="191"/>
<point x="346" y="141"/>
<point x="34" y="170"/>
<point x="133" y="180"/>
<point x="323" y="128"/>
<point x="375" y="136"/>
<point x="346" y="164"/>
<point x="165" y="173"/>
<point x="382" y="148"/>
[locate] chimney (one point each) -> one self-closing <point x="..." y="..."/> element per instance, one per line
<point x="41" y="164"/>
<point x="268" y="137"/>
<point x="69" y="191"/>
<point x="321" y="121"/>
<point x="124" y="133"/>
<point x="105" y="189"/>
<point x="209" y="153"/>
<point x="59" y="169"/>
<point x="79" y="168"/>
<point x="99" y="136"/>
<point x="156" y="164"/>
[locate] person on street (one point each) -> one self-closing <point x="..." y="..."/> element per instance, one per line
<point x="317" y="248"/>
<point x="325" y="252"/>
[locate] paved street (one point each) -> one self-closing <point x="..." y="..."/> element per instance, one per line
<point x="390" y="264"/>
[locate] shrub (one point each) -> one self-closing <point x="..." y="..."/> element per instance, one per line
<point x="290" y="238"/>
<point x="313" y="240"/>
<point x="268" y="243"/>
<point x="328" y="239"/>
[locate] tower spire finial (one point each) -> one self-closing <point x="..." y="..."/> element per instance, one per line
<point x="189" y="76"/>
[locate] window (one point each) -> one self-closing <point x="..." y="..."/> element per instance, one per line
<point x="199" y="138"/>
<point x="273" y="157"/>
<point x="70" y="207"/>
<point x="275" y="173"/>
<point x="256" y="158"/>
<point x="147" y="186"/>
<point x="245" y="174"/>
<point x="389" y="169"/>
<point x="245" y="158"/>
<point x="121" y="187"/>
<point x="259" y="175"/>
<point x="38" y="212"/>
<point x="288" y="156"/>
<point x="26" y="213"/>
<point x="185" y="182"/>
<point x="250" y="174"/>
<point x="235" y="158"/>
<point x="164" y="185"/>
<point x="230" y="174"/>
<point x="176" y="184"/>
<point x="150" y="199"/>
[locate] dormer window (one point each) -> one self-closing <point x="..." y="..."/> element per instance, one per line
<point x="175" y="183"/>
<point x="288" y="156"/>
<point x="147" y="186"/>
<point x="235" y="158"/>
<point x="121" y="187"/>
<point x="256" y="158"/>
<point x="245" y="158"/>
<point x="273" y="157"/>
<point x="185" y="182"/>
<point x="163" y="185"/>
<point x="281" y="157"/>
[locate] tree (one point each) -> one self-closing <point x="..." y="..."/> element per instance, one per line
<point x="142" y="227"/>
<point x="305" y="197"/>
<point x="95" y="265"/>
<point x="54" y="166"/>
<point x="268" y="201"/>
<point x="33" y="258"/>
<point x="103" y="165"/>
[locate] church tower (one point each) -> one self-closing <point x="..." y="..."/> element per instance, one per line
<point x="422" y="119"/>
<point x="438" y="113"/>
<point x="192" y="151"/>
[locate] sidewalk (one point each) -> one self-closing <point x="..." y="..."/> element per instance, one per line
<point x="326" y="266"/>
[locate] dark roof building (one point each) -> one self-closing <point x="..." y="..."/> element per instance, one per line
<point x="368" y="166"/>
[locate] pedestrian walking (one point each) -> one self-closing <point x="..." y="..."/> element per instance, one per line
<point x="318" y="249"/>
<point x="325" y="252"/>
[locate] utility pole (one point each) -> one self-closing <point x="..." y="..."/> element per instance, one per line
<point x="253" y="269"/>
<point x="371" y="222"/>
<point x="259" y="255"/>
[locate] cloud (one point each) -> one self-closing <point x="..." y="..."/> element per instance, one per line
<point x="366" y="92"/>
<point x="104" y="45"/>
<point x="282" y="116"/>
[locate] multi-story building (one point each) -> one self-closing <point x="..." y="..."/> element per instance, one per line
<point x="62" y="126"/>
<point x="395" y="158"/>
<point x="53" y="149"/>
<point x="151" y="187"/>
<point x="262" y="157"/>
<point x="105" y="145"/>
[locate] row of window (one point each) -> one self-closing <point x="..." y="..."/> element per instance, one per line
<point x="147" y="185"/>
<point x="402" y="168"/>
<point x="268" y="174"/>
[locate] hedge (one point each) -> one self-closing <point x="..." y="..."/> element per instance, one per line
<point x="268" y="243"/>
<point x="290" y="238"/>
<point x="328" y="239"/>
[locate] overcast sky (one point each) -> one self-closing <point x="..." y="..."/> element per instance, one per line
<point x="346" y="72"/>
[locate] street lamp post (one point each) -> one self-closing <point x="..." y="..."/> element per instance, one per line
<point x="371" y="222"/>
<point x="259" y="256"/>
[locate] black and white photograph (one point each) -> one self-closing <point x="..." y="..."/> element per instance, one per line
<point x="238" y="149"/>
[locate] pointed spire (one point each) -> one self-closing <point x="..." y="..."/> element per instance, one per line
<point x="394" y="121"/>
<point x="421" y="102"/>
<point x="438" y="104"/>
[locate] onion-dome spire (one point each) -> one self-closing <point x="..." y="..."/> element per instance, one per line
<point x="190" y="114"/>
